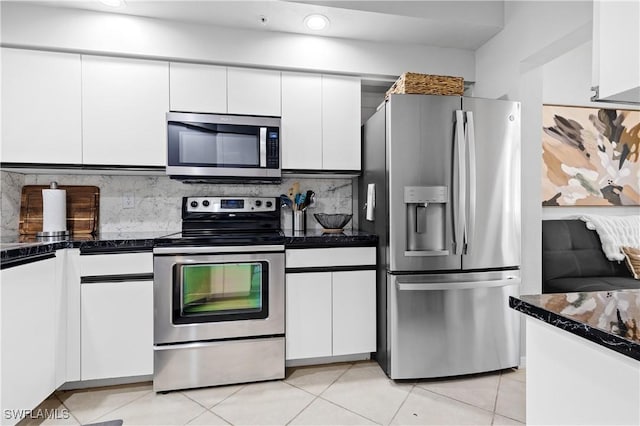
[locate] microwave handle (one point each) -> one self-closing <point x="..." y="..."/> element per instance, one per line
<point x="263" y="147"/>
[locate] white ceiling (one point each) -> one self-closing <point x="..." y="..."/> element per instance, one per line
<point x="453" y="24"/>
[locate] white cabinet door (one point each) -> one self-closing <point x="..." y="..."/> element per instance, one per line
<point x="124" y="106"/>
<point x="301" y="133"/>
<point x="340" y="123"/>
<point x="41" y="107"/>
<point x="27" y="335"/>
<point x="197" y="88"/>
<point x="354" y="312"/>
<point x="308" y="315"/>
<point x="253" y="92"/>
<point x="616" y="50"/>
<point x="116" y="329"/>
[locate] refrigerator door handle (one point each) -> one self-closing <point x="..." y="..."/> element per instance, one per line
<point x="464" y="285"/>
<point x="459" y="183"/>
<point x="470" y="221"/>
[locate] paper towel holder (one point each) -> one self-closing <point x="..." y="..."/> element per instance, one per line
<point x="52" y="235"/>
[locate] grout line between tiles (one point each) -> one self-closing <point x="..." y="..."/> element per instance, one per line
<point x="338" y="378"/>
<point x="349" y="410"/>
<point x="67" y="408"/>
<point x="303" y="408"/>
<point x="496" y="404"/>
<point x="403" y="402"/>
<point x="217" y="403"/>
<point x="195" y="417"/>
<point x="454" y="399"/>
<point x="220" y="416"/>
<point x="495" y="401"/>
<point x="92" y="420"/>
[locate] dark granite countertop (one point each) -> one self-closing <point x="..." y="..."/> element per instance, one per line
<point x="18" y="248"/>
<point x="608" y="318"/>
<point x="317" y="239"/>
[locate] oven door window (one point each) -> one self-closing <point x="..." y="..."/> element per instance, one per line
<point x="220" y="292"/>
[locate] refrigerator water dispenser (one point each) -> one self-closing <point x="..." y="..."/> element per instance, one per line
<point x="426" y="220"/>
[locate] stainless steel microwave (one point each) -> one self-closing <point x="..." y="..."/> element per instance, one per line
<point x="230" y="148"/>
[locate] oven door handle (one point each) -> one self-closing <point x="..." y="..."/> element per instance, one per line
<point x="218" y="249"/>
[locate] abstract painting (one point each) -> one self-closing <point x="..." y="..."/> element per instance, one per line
<point x="590" y="156"/>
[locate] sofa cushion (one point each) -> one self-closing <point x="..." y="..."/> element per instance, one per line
<point x="568" y="285"/>
<point x="570" y="250"/>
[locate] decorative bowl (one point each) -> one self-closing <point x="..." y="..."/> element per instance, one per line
<point x="332" y="222"/>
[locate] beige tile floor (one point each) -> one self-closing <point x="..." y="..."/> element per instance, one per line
<point x="356" y="393"/>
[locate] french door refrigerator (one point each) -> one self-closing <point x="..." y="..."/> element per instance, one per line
<point x="441" y="188"/>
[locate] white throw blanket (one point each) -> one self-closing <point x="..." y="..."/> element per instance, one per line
<point x="615" y="232"/>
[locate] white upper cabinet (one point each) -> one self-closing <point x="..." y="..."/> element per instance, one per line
<point x="301" y="133"/>
<point x="41" y="107"/>
<point x="320" y="122"/>
<point x="340" y="123"/>
<point x="124" y="106"/>
<point x="197" y="88"/>
<point x="616" y="50"/>
<point x="253" y="92"/>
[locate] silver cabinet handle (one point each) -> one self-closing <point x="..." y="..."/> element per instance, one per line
<point x="263" y="147"/>
<point x="434" y="286"/>
<point x="459" y="183"/>
<point x="217" y="249"/>
<point x="471" y="146"/>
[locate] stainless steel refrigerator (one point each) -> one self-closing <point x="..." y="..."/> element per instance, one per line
<point x="441" y="188"/>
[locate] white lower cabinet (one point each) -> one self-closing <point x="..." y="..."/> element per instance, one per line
<point x="354" y="312"/>
<point x="308" y="326"/>
<point x="331" y="312"/>
<point x="116" y="329"/>
<point x="28" y="342"/>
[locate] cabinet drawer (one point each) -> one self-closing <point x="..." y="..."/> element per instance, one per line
<point x="116" y="264"/>
<point x="327" y="257"/>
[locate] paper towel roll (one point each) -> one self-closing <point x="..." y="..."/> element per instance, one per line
<point x="54" y="210"/>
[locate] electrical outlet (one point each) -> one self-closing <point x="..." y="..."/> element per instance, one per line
<point x="128" y="201"/>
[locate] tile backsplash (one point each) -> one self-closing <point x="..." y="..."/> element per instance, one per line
<point x="157" y="199"/>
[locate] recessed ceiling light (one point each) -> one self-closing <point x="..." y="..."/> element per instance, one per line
<point x="113" y="3"/>
<point x="316" y="22"/>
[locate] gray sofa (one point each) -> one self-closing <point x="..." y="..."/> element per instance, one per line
<point x="572" y="260"/>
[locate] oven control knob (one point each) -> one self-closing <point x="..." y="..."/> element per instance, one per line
<point x="194" y="204"/>
<point x="269" y="203"/>
<point x="258" y="203"/>
<point x="205" y="203"/>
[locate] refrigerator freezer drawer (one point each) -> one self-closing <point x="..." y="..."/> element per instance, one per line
<point x="448" y="325"/>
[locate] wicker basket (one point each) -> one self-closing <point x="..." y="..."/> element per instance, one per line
<point x="425" y="84"/>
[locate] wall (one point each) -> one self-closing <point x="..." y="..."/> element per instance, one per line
<point x="10" y="187"/>
<point x="158" y="199"/>
<point x="560" y="90"/>
<point x="103" y="33"/>
<point x="509" y="67"/>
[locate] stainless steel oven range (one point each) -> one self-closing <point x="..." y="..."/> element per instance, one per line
<point x="219" y="295"/>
